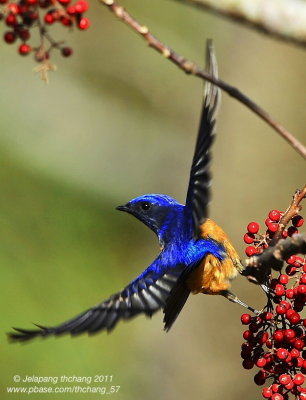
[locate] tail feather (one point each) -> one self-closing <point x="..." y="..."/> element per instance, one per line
<point x="174" y="304"/>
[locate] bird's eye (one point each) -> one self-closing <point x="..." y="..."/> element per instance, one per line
<point x="145" y="206"/>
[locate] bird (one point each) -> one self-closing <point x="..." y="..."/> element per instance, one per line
<point x="196" y="255"/>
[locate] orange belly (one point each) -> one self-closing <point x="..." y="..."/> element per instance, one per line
<point x="213" y="276"/>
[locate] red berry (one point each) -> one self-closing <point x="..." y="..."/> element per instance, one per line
<point x="249" y="238"/>
<point x="247" y="335"/>
<point x="290" y="270"/>
<point x="299" y="362"/>
<point x="66" y="51"/>
<point x="246" y="319"/>
<point x="289" y="293"/>
<point x="294" y="318"/>
<point x="261" y="362"/>
<point x="282" y="354"/>
<point x="277" y="396"/>
<point x="290" y="385"/>
<point x="24" y="34"/>
<point x="297" y="221"/>
<point x="253" y="227"/>
<point x="250" y="251"/>
<point x="279" y="289"/>
<point x="289" y="334"/>
<point x="284" y="379"/>
<point x="281" y="309"/>
<point x="260" y="378"/>
<point x="253" y="327"/>
<point x="299" y="379"/>
<point x="299" y="344"/>
<point x="284" y="279"/>
<point x="292" y="230"/>
<point x="274" y="215"/>
<point x="9" y="37"/>
<point x="248" y="364"/>
<point x="10" y="20"/>
<point x="81" y="6"/>
<point x="262" y="337"/>
<point x="49" y="18"/>
<point x="291" y="259"/>
<point x="66" y="21"/>
<point x="284" y="234"/>
<point x="84" y="23"/>
<point x="24" y="49"/>
<point x="278" y="336"/>
<point x="302" y="289"/>
<point x="295" y="353"/>
<point x="268" y="316"/>
<point x="267" y="392"/>
<point x="276" y="388"/>
<point x="273" y="226"/>
<point x="14" y="8"/>
<point x="303" y="278"/>
<point x="71" y="10"/>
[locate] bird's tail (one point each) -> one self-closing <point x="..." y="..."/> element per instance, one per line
<point x="174" y="304"/>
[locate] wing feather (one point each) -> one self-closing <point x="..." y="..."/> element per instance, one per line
<point x="145" y="295"/>
<point x="198" y="194"/>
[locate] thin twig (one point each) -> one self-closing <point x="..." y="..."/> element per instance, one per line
<point x="284" y="20"/>
<point x="191" y="68"/>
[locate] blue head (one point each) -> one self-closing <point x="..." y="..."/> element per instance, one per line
<point x="158" y="211"/>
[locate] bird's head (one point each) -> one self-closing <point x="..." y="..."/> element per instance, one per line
<point x="156" y="211"/>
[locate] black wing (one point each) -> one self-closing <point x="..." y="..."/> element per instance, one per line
<point x="146" y="294"/>
<point x="198" y="194"/>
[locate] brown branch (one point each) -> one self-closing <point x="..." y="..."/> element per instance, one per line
<point x="191" y="68"/>
<point x="259" y="16"/>
<point x="291" y="211"/>
<point x="259" y="267"/>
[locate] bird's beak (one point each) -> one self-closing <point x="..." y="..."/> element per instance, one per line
<point x="122" y="208"/>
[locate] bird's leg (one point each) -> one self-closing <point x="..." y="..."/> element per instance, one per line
<point x="232" y="297"/>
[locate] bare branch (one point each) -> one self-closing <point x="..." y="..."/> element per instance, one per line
<point x="282" y="19"/>
<point x="191" y="68"/>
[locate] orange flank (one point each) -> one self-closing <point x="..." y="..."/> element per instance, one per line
<point x="213" y="275"/>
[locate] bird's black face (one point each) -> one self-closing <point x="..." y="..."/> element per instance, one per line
<point x="152" y="210"/>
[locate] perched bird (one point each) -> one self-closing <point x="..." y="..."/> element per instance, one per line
<point x="196" y="255"/>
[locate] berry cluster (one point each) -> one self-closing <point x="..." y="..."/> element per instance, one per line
<point x="23" y="15"/>
<point x="258" y="242"/>
<point x="275" y="340"/>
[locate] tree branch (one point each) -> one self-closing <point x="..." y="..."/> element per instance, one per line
<point x="292" y="210"/>
<point x="282" y="19"/>
<point x="259" y="267"/>
<point x="191" y="68"/>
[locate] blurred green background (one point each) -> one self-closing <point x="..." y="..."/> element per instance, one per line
<point x="118" y="121"/>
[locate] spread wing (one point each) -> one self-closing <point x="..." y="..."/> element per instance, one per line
<point x="198" y="194"/>
<point x="146" y="294"/>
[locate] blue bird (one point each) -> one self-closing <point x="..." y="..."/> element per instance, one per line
<point x="196" y="255"/>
